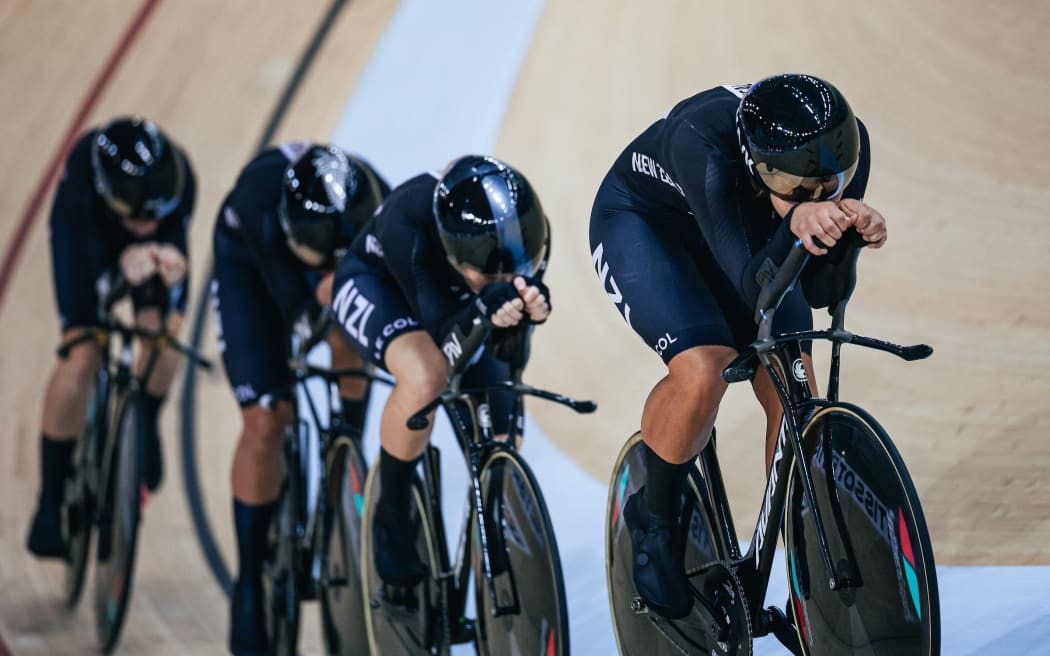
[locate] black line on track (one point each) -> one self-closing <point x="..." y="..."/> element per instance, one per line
<point x="187" y="406"/>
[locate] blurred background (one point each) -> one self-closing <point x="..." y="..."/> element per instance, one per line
<point x="954" y="95"/>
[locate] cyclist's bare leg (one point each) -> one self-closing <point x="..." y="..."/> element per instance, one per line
<point x="345" y="357"/>
<point x="256" y="481"/>
<point x="156" y="387"/>
<point x="68" y="389"/>
<point x="167" y="360"/>
<point x="767" y="396"/>
<point x="419" y="368"/>
<point x="257" y="460"/>
<point x="420" y="371"/>
<point x="676" y="425"/>
<point x="65" y="409"/>
<point x="352" y="391"/>
<point x="681" y="409"/>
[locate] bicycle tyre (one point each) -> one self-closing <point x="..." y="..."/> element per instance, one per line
<point x="342" y="609"/>
<point x="393" y="629"/>
<point x="895" y="610"/>
<point x="78" y="506"/>
<point x="281" y="575"/>
<point x="638" y="633"/>
<point x="528" y="562"/>
<point x="119" y="516"/>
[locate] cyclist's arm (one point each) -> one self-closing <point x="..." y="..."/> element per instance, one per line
<point x="417" y="263"/>
<point x="821" y="279"/>
<point x="285" y="276"/>
<point x="709" y="184"/>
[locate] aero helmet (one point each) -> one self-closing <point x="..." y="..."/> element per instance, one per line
<point x="799" y="137"/>
<point x="325" y="199"/>
<point x="137" y="171"/>
<point x="489" y="218"/>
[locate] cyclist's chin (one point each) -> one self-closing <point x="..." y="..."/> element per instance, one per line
<point x="140" y="227"/>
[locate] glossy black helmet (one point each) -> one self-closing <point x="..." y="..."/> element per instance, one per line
<point x="489" y="218"/>
<point x="137" y="171"/>
<point x="325" y="199"/>
<point x="799" y="137"/>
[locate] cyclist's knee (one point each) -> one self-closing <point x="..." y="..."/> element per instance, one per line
<point x="418" y="366"/>
<point x="81" y="363"/>
<point x="700" y="369"/>
<point x="264" y="429"/>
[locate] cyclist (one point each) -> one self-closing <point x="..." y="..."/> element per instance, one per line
<point x="124" y="200"/>
<point x="695" y="211"/>
<point x="444" y="253"/>
<point x="291" y="213"/>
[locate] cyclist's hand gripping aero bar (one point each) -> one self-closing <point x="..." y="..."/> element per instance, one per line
<point x="772" y="294"/>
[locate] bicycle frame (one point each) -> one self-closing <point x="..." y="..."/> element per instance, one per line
<point x="306" y="523"/>
<point x="478" y="443"/>
<point x="781" y="356"/>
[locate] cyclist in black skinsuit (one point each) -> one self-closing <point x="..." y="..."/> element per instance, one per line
<point x="443" y="255"/>
<point x="124" y="201"/>
<point x="694" y="213"/>
<point x="291" y="214"/>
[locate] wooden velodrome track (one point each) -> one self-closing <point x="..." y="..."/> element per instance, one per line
<point x="955" y="97"/>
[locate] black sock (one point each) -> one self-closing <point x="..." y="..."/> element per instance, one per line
<point x="56" y="466"/>
<point x="395" y="480"/>
<point x="354" y="412"/>
<point x="151" y="409"/>
<point x="252" y="523"/>
<point x="662" y="484"/>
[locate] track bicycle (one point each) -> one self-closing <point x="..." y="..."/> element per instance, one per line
<point x="860" y="566"/>
<point x="313" y="552"/>
<point x="106" y="493"/>
<point x="506" y="542"/>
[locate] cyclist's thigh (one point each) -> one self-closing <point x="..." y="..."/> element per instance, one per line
<point x="372" y="312"/>
<point x="252" y="337"/>
<point x="793" y="314"/>
<point x="79" y="255"/>
<point x="648" y="272"/>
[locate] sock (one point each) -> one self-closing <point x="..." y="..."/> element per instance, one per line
<point x="662" y="485"/>
<point x="56" y="466"/>
<point x="354" y="412"/>
<point x="252" y="523"/>
<point x="151" y="406"/>
<point x="395" y="480"/>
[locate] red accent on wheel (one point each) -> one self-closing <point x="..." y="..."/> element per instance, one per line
<point x="905" y="540"/>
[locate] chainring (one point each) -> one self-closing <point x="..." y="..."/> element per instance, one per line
<point x="721" y="589"/>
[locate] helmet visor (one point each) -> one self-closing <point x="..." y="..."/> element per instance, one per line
<point x="797" y="188"/>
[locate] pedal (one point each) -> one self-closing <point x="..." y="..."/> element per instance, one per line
<point x="773" y="620"/>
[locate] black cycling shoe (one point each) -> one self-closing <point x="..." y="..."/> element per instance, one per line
<point x="658" y="570"/>
<point x="153" y="460"/>
<point x="248" y="620"/>
<point x="394" y="545"/>
<point x="45" y="533"/>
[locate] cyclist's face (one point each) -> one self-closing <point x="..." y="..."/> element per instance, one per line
<point x="140" y="227"/>
<point x="476" y="279"/>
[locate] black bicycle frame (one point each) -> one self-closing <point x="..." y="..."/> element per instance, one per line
<point x="781" y="357"/>
<point x="302" y="372"/>
<point x="478" y="443"/>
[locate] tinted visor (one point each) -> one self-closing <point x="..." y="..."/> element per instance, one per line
<point x="312" y="237"/>
<point x="147" y="193"/>
<point x="799" y="188"/>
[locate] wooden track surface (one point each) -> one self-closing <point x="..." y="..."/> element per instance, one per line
<point x="954" y="95"/>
